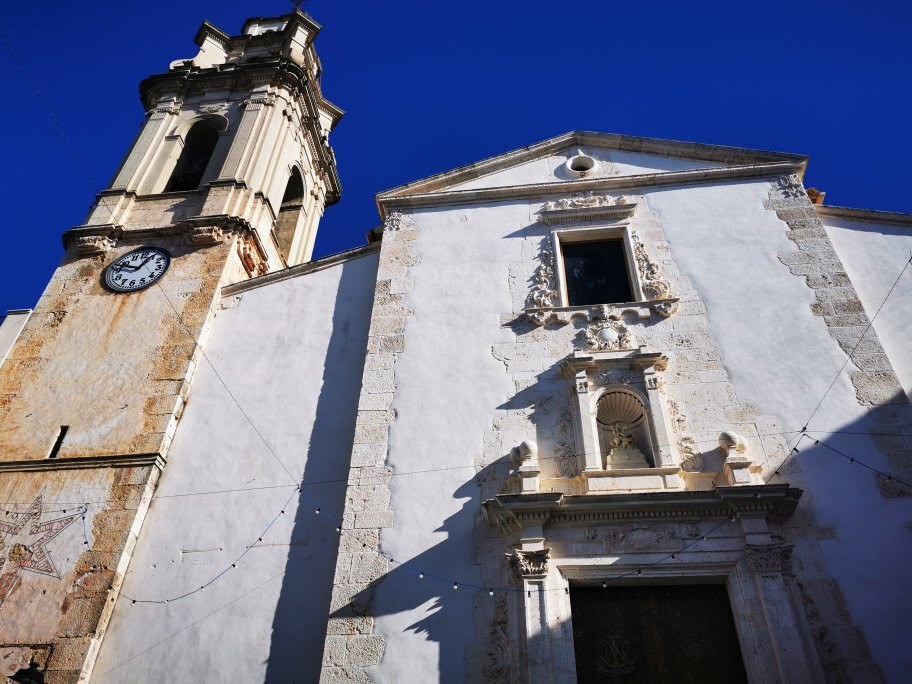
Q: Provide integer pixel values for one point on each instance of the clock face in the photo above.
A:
(137, 269)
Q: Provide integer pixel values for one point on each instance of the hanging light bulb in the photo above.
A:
(420, 575)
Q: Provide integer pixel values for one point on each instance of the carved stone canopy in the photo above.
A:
(586, 206)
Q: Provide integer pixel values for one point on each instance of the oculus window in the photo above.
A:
(596, 272)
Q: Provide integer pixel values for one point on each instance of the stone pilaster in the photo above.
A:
(350, 644)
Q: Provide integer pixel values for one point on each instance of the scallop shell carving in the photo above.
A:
(620, 407)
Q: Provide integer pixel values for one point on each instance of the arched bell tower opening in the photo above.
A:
(199, 144)
(290, 213)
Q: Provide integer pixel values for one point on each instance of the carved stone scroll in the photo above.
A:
(654, 286)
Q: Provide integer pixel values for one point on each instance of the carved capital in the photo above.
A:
(93, 245)
(213, 108)
(528, 564)
(775, 558)
(198, 236)
(260, 101)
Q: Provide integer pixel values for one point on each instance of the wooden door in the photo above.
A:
(681, 634)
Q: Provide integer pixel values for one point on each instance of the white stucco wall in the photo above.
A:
(873, 255)
(779, 356)
(292, 353)
(611, 163)
(782, 359)
(448, 384)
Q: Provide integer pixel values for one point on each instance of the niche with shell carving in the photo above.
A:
(622, 420)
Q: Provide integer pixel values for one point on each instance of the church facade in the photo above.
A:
(603, 408)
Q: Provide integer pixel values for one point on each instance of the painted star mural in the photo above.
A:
(24, 545)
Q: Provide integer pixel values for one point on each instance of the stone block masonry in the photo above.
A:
(350, 643)
(838, 305)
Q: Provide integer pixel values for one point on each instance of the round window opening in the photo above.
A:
(581, 164)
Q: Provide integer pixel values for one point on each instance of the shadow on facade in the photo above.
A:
(299, 625)
(449, 613)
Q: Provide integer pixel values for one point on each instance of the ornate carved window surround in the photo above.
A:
(597, 217)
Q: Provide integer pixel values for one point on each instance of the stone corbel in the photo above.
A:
(200, 236)
(93, 245)
(738, 468)
(529, 564)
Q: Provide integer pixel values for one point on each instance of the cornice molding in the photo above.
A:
(512, 511)
(83, 463)
(866, 215)
(388, 203)
(736, 156)
(188, 226)
(301, 269)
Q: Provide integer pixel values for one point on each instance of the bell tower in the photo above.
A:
(227, 180)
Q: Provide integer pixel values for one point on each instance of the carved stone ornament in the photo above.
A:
(774, 558)
(608, 333)
(619, 376)
(497, 668)
(693, 459)
(789, 187)
(267, 100)
(213, 108)
(585, 200)
(544, 289)
(254, 262)
(396, 220)
(199, 236)
(166, 108)
(654, 286)
(93, 245)
(528, 564)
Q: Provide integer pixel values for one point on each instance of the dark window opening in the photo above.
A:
(596, 273)
(198, 147)
(289, 212)
(58, 442)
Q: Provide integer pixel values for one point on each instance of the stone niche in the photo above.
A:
(620, 421)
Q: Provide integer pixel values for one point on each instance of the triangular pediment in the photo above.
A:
(614, 156)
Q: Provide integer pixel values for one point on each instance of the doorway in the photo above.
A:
(679, 633)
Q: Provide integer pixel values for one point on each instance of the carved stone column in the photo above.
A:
(664, 457)
(591, 457)
(531, 568)
(770, 565)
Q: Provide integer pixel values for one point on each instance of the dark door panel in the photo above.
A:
(676, 634)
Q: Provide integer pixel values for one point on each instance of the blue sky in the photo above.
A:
(428, 86)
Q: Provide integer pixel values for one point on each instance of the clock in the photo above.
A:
(137, 269)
